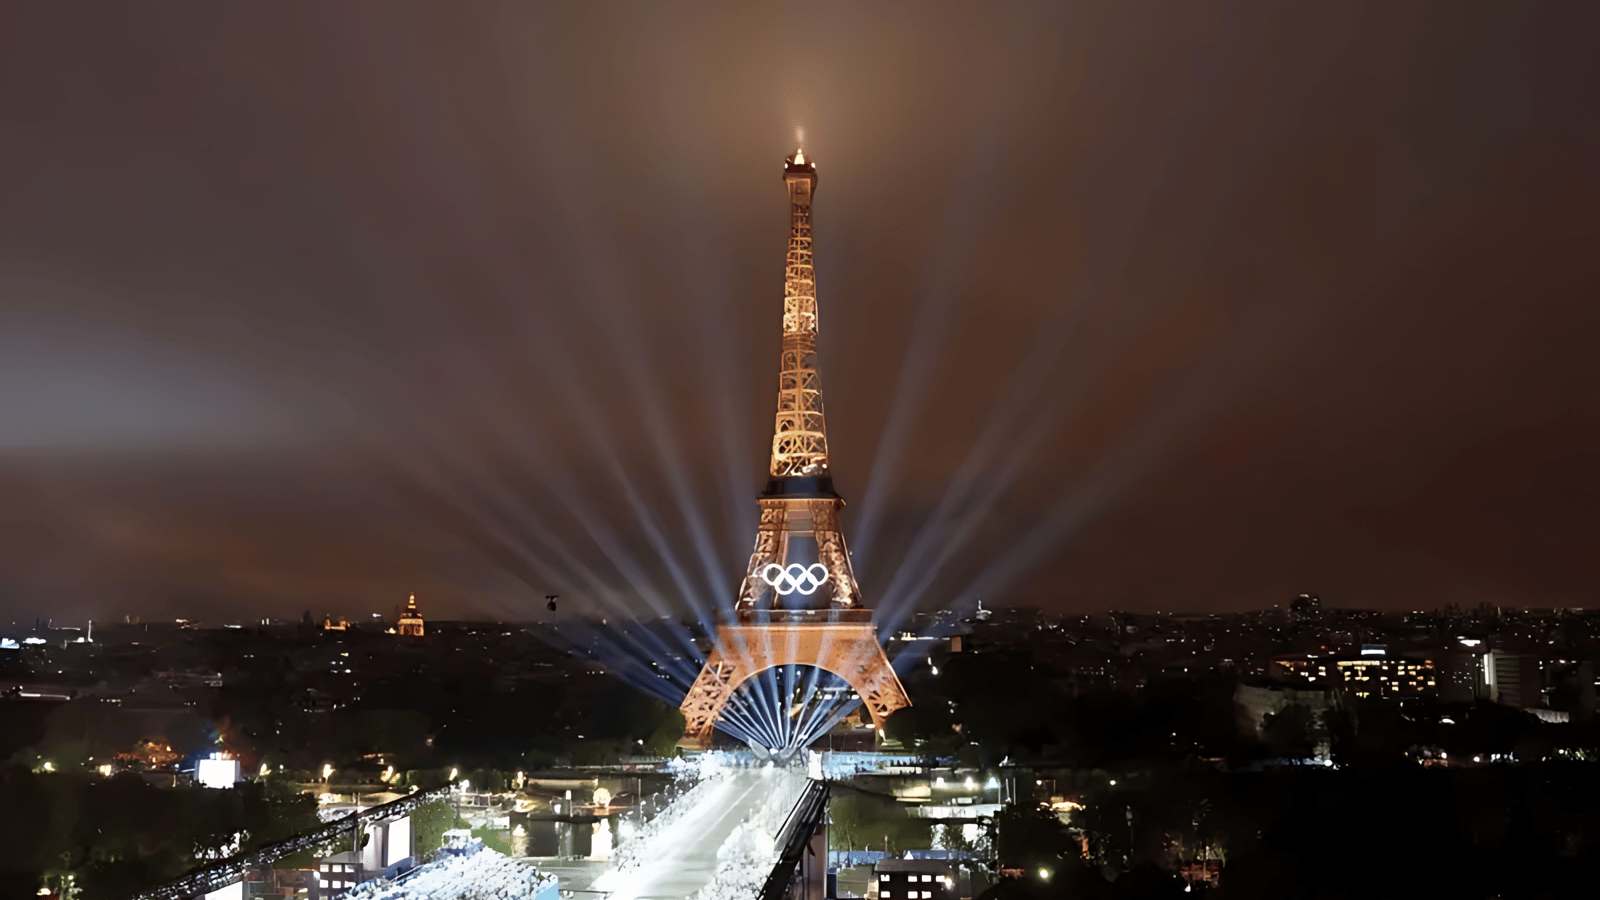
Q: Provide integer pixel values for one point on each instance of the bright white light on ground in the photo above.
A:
(233, 891)
(398, 846)
(217, 773)
(485, 875)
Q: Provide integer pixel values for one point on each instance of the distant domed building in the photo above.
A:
(410, 624)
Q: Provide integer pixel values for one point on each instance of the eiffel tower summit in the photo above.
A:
(799, 603)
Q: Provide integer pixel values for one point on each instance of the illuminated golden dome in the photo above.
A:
(410, 624)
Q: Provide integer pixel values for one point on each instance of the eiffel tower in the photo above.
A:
(799, 603)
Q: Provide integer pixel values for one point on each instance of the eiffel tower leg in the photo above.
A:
(874, 679)
(768, 551)
(831, 552)
(705, 700)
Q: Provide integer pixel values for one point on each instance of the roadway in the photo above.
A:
(682, 859)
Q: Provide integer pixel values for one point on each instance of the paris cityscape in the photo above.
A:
(394, 502)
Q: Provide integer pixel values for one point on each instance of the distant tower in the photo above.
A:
(798, 603)
(410, 624)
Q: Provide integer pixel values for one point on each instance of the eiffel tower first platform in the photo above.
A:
(799, 603)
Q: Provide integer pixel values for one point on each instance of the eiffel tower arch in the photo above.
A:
(799, 603)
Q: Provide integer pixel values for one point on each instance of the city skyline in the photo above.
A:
(1131, 314)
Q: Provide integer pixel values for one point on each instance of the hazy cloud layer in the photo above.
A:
(311, 306)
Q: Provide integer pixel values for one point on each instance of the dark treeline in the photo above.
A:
(989, 707)
(63, 816)
(1397, 831)
(115, 836)
(1405, 801)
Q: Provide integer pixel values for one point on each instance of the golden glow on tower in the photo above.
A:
(799, 440)
(799, 603)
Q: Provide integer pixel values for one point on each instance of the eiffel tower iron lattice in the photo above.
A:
(799, 603)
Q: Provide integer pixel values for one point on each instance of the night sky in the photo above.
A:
(1132, 306)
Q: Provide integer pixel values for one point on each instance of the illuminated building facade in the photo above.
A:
(1374, 674)
(915, 879)
(410, 624)
(1512, 679)
(798, 603)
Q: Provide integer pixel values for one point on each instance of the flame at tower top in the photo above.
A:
(799, 438)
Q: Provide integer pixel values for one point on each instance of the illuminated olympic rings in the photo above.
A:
(805, 579)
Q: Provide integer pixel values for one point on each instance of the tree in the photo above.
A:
(869, 822)
(1032, 838)
(1291, 733)
(664, 740)
(429, 822)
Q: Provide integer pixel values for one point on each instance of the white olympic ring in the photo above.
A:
(795, 578)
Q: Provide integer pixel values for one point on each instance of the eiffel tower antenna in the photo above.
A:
(799, 603)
